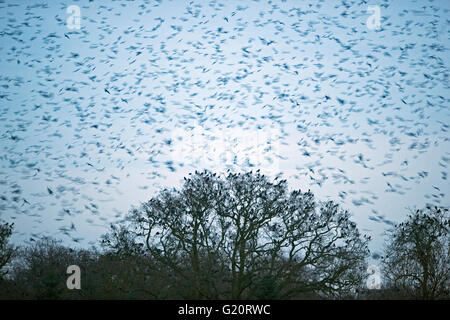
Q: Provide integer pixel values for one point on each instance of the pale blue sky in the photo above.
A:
(358, 116)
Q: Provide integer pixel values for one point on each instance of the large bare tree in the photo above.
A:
(244, 236)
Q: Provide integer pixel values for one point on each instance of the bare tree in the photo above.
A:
(243, 236)
(417, 259)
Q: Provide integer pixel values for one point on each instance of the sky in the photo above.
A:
(98, 114)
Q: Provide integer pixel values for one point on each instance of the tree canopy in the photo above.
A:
(417, 256)
(244, 236)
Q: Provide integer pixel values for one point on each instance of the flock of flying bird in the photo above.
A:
(83, 112)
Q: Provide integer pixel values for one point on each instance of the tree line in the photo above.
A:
(238, 236)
